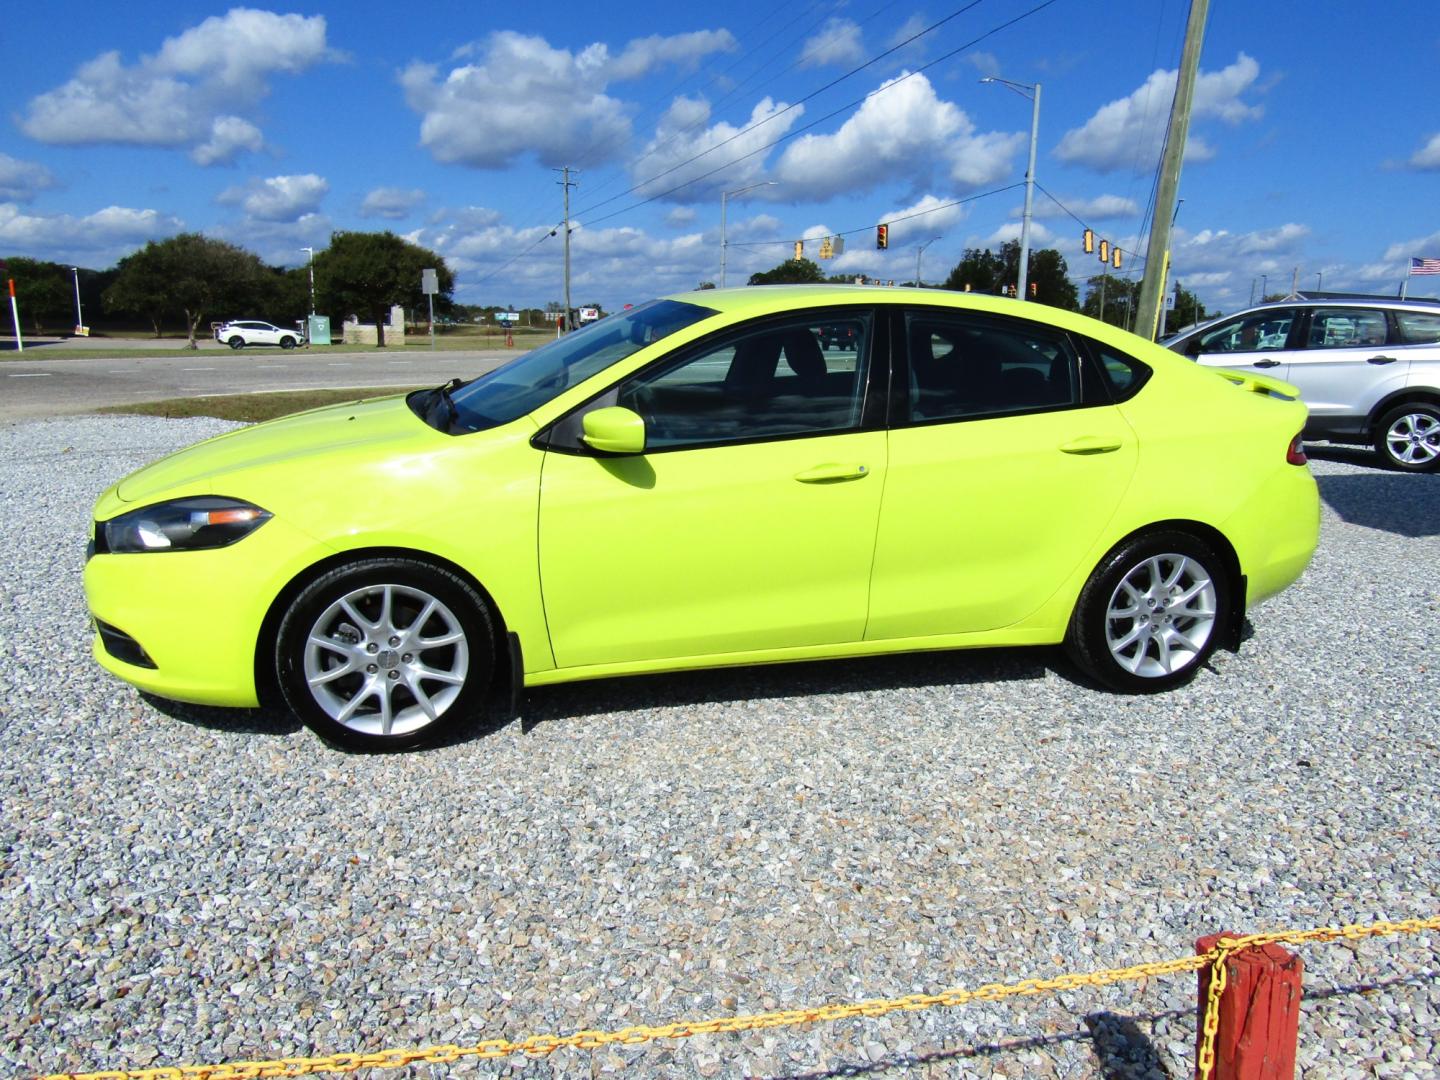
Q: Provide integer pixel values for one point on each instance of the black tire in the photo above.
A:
(369, 643)
(1408, 437)
(287, 342)
(1151, 660)
(236, 342)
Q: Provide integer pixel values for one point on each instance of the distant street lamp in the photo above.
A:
(79, 315)
(723, 196)
(311, 252)
(921, 251)
(1032, 92)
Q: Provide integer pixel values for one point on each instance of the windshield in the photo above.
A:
(528, 381)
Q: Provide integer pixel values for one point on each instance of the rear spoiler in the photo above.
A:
(1256, 383)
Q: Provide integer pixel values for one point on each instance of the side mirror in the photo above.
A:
(614, 430)
(1192, 347)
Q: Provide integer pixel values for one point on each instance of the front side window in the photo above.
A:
(962, 368)
(797, 377)
(528, 381)
(1418, 327)
(1255, 332)
(1346, 328)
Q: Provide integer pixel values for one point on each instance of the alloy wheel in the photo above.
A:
(1161, 615)
(1413, 439)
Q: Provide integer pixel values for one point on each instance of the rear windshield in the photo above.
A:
(528, 381)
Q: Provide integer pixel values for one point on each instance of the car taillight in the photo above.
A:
(1296, 454)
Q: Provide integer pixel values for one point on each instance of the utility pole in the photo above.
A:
(921, 251)
(1031, 91)
(1157, 253)
(567, 184)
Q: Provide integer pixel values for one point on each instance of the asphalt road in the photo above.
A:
(56, 385)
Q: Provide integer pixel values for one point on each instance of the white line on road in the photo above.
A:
(337, 365)
(398, 363)
(31, 375)
(197, 369)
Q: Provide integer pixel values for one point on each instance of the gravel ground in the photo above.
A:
(184, 885)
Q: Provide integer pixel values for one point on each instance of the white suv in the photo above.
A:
(252, 332)
(1368, 369)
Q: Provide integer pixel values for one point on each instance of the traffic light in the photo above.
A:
(799, 249)
(1034, 289)
(1115, 257)
(1104, 251)
(882, 236)
(1087, 239)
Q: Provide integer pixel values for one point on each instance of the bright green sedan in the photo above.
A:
(713, 479)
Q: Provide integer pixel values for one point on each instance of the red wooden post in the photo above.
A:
(1259, 1012)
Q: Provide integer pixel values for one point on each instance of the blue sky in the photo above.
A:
(1315, 141)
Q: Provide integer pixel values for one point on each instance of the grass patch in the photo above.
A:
(250, 408)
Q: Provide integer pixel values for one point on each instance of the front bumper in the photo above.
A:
(196, 615)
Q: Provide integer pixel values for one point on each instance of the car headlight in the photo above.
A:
(193, 524)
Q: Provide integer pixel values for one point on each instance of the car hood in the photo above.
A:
(331, 430)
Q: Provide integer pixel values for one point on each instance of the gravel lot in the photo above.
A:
(184, 885)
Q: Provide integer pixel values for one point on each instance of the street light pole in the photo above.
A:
(723, 243)
(1031, 91)
(79, 315)
(311, 252)
(921, 251)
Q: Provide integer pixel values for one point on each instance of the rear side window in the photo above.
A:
(1123, 375)
(1418, 327)
(1346, 328)
(1255, 332)
(962, 367)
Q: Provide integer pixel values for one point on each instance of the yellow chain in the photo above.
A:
(544, 1045)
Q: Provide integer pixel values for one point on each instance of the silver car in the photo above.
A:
(1368, 369)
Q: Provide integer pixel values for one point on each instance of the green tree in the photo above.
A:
(1120, 296)
(192, 275)
(790, 272)
(368, 272)
(990, 272)
(44, 291)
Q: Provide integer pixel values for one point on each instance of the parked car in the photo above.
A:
(244, 332)
(691, 483)
(837, 336)
(1368, 369)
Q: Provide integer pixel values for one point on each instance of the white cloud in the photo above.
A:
(278, 242)
(1132, 129)
(99, 238)
(20, 180)
(924, 219)
(524, 96)
(229, 135)
(1040, 236)
(901, 131)
(1100, 208)
(186, 94)
(1401, 253)
(391, 203)
(682, 134)
(680, 216)
(278, 199)
(837, 42)
(1428, 156)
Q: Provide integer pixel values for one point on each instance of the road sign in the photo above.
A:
(429, 282)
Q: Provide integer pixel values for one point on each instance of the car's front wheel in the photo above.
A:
(287, 342)
(1408, 437)
(1151, 613)
(236, 342)
(385, 654)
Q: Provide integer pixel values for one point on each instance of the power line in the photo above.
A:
(1134, 255)
(792, 106)
(819, 120)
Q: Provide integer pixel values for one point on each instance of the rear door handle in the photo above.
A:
(1381, 360)
(1266, 363)
(831, 474)
(1091, 444)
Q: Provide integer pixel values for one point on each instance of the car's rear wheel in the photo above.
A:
(287, 342)
(1151, 613)
(1408, 437)
(236, 342)
(385, 654)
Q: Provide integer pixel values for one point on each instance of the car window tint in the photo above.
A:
(767, 383)
(1250, 333)
(1346, 328)
(1123, 374)
(1418, 328)
(961, 368)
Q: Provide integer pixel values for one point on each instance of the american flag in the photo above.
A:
(1425, 266)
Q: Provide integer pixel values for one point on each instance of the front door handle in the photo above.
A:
(830, 474)
(1091, 444)
(1266, 363)
(1381, 360)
